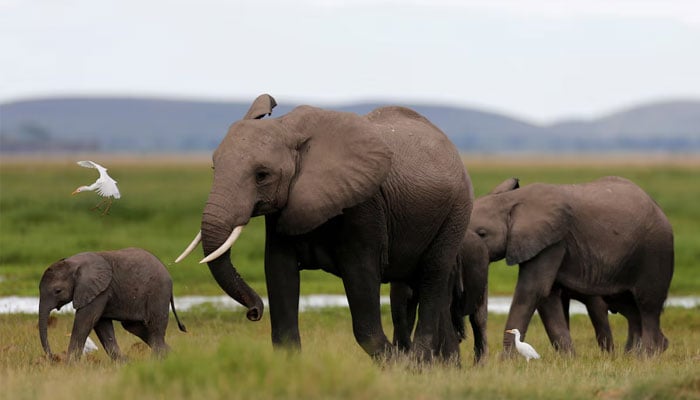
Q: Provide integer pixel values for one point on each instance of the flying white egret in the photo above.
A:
(105, 186)
(523, 348)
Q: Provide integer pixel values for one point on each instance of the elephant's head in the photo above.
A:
(517, 224)
(78, 279)
(304, 167)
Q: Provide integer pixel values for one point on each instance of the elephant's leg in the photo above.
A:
(403, 314)
(363, 299)
(435, 333)
(653, 340)
(85, 320)
(358, 257)
(105, 333)
(137, 329)
(282, 279)
(598, 313)
(566, 307)
(634, 332)
(624, 305)
(555, 322)
(535, 279)
(448, 345)
(154, 338)
(478, 324)
(650, 293)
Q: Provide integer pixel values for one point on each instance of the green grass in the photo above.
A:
(226, 356)
(162, 202)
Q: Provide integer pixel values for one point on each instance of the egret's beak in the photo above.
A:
(76, 191)
(509, 331)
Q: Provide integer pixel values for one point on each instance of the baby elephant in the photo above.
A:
(469, 297)
(129, 285)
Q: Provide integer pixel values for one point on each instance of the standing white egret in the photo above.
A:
(105, 186)
(523, 348)
(90, 346)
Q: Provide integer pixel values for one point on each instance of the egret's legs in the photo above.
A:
(98, 205)
(107, 202)
(108, 207)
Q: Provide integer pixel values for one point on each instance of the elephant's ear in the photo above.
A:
(506, 186)
(93, 276)
(261, 107)
(342, 162)
(534, 226)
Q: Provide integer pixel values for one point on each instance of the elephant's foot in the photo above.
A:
(564, 347)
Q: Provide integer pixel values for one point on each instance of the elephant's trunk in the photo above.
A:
(214, 234)
(44, 311)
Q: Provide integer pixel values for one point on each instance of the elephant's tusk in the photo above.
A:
(227, 245)
(188, 250)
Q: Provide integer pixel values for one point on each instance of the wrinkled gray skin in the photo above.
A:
(469, 296)
(558, 329)
(604, 238)
(129, 285)
(370, 198)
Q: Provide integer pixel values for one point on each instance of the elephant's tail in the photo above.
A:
(180, 325)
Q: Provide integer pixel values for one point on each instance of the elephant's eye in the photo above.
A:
(57, 291)
(260, 176)
(481, 232)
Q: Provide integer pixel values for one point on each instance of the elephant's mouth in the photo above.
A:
(262, 208)
(61, 304)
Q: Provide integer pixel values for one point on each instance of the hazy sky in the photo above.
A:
(539, 60)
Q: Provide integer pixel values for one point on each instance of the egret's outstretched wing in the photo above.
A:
(108, 188)
(90, 164)
(105, 186)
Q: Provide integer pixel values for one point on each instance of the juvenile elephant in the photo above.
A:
(469, 297)
(129, 285)
(604, 238)
(370, 198)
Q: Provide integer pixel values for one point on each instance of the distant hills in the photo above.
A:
(159, 125)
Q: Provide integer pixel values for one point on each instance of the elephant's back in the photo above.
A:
(427, 185)
(417, 144)
(617, 215)
(616, 195)
(139, 264)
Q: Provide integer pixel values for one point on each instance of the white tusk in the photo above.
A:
(191, 247)
(227, 245)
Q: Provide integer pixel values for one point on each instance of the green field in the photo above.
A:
(162, 201)
(226, 356)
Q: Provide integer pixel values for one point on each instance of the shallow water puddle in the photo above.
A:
(497, 304)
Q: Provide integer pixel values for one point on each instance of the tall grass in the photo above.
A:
(226, 356)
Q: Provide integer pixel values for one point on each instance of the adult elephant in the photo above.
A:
(376, 198)
(604, 238)
(469, 298)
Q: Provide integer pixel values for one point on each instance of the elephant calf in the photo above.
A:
(604, 238)
(469, 297)
(129, 285)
